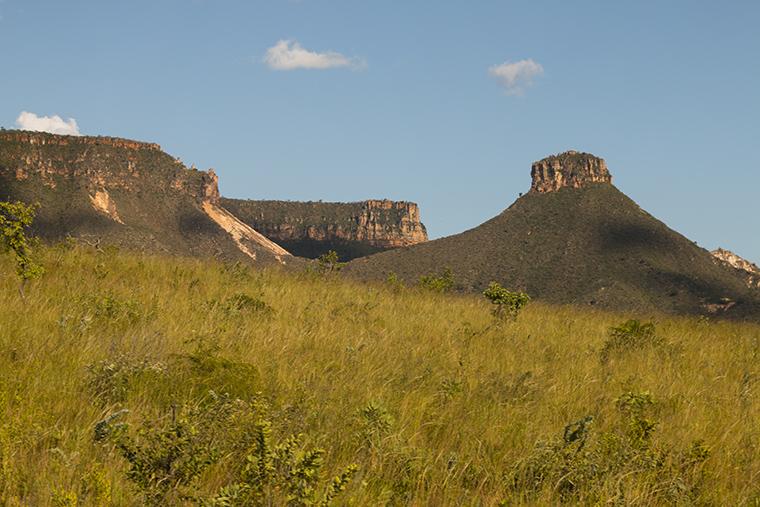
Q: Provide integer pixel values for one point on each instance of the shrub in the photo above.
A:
(15, 218)
(506, 304)
(438, 283)
(281, 474)
(580, 466)
(630, 335)
(329, 263)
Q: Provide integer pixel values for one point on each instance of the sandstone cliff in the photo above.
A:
(748, 269)
(352, 229)
(124, 192)
(568, 169)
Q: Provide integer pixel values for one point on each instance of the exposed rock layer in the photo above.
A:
(747, 268)
(568, 169)
(125, 192)
(352, 229)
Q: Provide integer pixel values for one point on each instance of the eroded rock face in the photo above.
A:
(101, 164)
(354, 229)
(569, 169)
(751, 270)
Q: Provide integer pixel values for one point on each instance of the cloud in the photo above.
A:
(53, 124)
(290, 55)
(516, 76)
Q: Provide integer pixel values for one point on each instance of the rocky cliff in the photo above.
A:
(748, 269)
(352, 229)
(124, 192)
(568, 169)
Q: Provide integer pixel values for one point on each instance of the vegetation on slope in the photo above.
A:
(587, 246)
(127, 380)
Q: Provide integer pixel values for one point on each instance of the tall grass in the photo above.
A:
(434, 400)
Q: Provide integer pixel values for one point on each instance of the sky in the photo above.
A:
(445, 103)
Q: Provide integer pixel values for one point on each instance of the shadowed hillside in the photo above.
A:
(581, 242)
(125, 193)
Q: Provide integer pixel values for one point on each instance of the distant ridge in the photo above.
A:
(352, 229)
(575, 238)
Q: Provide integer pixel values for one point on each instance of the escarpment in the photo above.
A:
(569, 169)
(353, 230)
(127, 193)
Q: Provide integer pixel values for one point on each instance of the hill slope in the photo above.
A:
(582, 242)
(125, 193)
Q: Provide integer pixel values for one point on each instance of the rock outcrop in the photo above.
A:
(568, 169)
(352, 229)
(124, 192)
(749, 269)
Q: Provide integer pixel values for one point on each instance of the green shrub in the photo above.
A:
(281, 474)
(506, 304)
(438, 283)
(630, 335)
(15, 218)
(329, 262)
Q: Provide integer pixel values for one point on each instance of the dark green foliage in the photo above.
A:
(582, 465)
(15, 219)
(281, 474)
(586, 246)
(506, 304)
(329, 263)
(628, 336)
(167, 455)
(444, 282)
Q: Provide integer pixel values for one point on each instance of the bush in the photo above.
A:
(630, 335)
(438, 283)
(506, 304)
(328, 263)
(15, 218)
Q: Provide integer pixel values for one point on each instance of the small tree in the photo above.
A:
(506, 304)
(14, 219)
(329, 263)
(438, 283)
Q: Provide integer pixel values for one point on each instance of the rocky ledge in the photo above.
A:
(749, 269)
(569, 169)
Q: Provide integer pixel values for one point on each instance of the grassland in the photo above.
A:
(434, 401)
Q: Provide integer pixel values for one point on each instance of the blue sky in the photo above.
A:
(398, 101)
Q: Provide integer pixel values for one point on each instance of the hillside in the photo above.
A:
(132, 380)
(575, 238)
(355, 229)
(124, 193)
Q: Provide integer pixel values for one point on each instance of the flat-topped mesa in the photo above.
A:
(569, 169)
(353, 229)
(43, 139)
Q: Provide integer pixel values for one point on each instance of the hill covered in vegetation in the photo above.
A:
(131, 380)
(577, 239)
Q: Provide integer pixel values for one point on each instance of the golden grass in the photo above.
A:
(467, 400)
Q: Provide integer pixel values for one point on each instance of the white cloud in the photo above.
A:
(516, 76)
(290, 55)
(53, 124)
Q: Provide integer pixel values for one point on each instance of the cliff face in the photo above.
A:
(124, 192)
(748, 269)
(352, 229)
(568, 169)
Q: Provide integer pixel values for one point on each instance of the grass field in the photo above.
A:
(130, 380)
